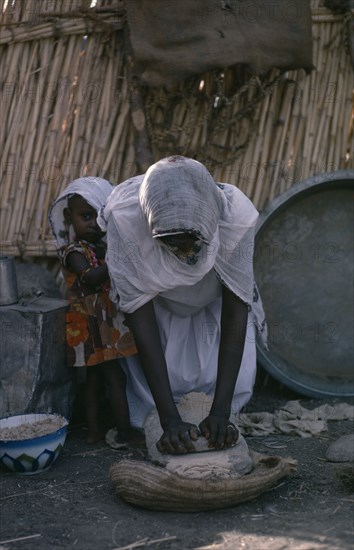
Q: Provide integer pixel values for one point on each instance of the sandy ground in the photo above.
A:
(73, 504)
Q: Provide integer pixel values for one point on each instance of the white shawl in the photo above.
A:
(176, 195)
(94, 190)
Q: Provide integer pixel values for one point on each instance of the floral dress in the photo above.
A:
(95, 330)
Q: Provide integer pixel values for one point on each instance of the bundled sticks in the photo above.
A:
(66, 113)
(298, 127)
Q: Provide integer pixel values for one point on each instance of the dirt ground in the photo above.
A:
(73, 505)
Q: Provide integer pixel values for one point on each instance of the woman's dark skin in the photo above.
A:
(178, 436)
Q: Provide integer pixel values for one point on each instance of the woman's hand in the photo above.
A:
(178, 437)
(219, 431)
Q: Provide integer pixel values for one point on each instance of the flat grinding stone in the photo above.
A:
(205, 463)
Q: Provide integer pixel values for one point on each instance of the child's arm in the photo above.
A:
(216, 427)
(88, 275)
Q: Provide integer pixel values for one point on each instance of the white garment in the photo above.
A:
(141, 266)
(189, 325)
(179, 195)
(94, 190)
(172, 198)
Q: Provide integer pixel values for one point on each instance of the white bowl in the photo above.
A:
(31, 455)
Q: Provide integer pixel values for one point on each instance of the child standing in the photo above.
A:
(96, 335)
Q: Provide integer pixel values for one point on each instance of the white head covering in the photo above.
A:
(179, 195)
(94, 190)
(176, 195)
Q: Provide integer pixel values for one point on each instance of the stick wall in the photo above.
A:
(66, 113)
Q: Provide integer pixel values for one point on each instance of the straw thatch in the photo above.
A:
(68, 96)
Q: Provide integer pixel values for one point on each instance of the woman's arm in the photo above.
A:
(178, 435)
(217, 427)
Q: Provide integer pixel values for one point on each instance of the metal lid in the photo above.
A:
(304, 265)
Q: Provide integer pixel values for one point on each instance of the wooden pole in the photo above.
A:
(143, 153)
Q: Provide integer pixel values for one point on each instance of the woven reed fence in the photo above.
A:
(66, 113)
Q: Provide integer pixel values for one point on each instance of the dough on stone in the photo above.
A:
(205, 463)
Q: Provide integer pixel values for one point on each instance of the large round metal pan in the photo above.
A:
(304, 269)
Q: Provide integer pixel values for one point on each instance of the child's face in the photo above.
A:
(82, 217)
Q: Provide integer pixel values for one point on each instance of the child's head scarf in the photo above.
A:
(94, 190)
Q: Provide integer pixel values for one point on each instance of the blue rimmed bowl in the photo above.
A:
(32, 454)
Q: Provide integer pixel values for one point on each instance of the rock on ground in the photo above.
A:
(341, 450)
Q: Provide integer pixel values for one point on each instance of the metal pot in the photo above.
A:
(8, 281)
(304, 270)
